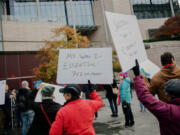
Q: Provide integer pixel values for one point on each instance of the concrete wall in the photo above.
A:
(158, 48)
(27, 36)
(99, 37)
(122, 6)
(146, 24)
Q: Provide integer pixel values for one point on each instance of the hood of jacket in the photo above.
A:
(127, 79)
(169, 73)
(175, 101)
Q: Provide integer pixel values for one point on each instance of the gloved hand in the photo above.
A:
(90, 86)
(136, 68)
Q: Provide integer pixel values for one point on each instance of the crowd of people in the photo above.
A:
(76, 115)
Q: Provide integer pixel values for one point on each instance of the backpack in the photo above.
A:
(23, 102)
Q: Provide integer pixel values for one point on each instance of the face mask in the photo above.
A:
(121, 77)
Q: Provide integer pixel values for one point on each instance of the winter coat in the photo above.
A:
(76, 117)
(125, 90)
(109, 91)
(23, 100)
(166, 113)
(159, 79)
(40, 125)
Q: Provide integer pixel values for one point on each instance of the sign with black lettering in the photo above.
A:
(127, 39)
(77, 66)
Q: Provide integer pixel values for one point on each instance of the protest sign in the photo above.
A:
(37, 83)
(2, 92)
(127, 39)
(58, 97)
(77, 66)
(149, 67)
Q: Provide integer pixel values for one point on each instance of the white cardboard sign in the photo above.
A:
(150, 67)
(58, 97)
(77, 66)
(2, 92)
(127, 39)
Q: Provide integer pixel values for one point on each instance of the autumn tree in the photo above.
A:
(170, 29)
(65, 38)
(116, 64)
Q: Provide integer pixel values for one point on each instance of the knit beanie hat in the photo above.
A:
(124, 74)
(47, 91)
(173, 87)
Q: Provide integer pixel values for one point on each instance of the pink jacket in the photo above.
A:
(76, 117)
(168, 114)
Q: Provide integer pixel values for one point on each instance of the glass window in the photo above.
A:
(151, 8)
(53, 10)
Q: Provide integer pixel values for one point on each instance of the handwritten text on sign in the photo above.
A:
(2, 92)
(80, 65)
(127, 39)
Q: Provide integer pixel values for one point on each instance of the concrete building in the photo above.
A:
(26, 24)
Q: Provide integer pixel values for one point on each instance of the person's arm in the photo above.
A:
(96, 100)
(158, 108)
(57, 125)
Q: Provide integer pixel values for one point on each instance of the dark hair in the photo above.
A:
(166, 58)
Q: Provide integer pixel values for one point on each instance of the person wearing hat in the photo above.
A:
(45, 112)
(76, 116)
(125, 97)
(166, 113)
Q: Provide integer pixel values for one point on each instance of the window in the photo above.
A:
(151, 8)
(53, 10)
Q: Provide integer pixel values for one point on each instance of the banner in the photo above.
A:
(2, 92)
(149, 67)
(77, 66)
(58, 97)
(127, 39)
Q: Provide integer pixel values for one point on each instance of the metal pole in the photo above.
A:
(105, 24)
(1, 27)
(172, 7)
(73, 19)
(38, 10)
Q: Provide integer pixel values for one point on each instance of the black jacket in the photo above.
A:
(23, 100)
(109, 91)
(40, 125)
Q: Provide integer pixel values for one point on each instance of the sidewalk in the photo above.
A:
(145, 122)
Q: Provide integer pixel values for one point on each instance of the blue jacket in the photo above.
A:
(125, 90)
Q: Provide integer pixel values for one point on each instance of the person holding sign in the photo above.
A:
(76, 116)
(167, 72)
(125, 96)
(166, 113)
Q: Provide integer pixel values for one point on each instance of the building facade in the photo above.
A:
(26, 24)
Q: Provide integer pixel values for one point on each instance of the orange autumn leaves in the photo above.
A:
(170, 29)
(65, 38)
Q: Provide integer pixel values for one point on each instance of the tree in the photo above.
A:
(170, 29)
(65, 38)
(116, 64)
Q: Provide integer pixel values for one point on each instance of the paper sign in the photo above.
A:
(37, 83)
(127, 39)
(77, 66)
(58, 97)
(149, 67)
(2, 92)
